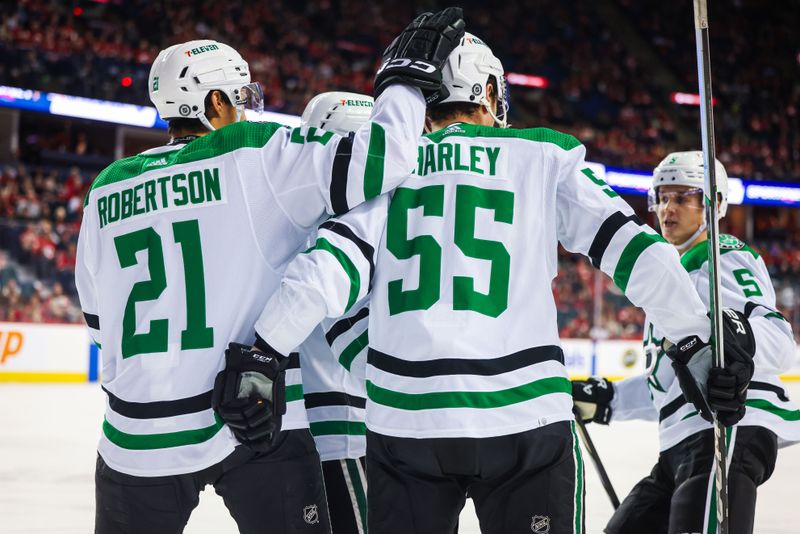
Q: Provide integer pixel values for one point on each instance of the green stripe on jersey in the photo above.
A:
(695, 257)
(294, 392)
(143, 442)
(630, 254)
(468, 399)
(761, 404)
(376, 155)
(347, 265)
(338, 428)
(578, 498)
(232, 137)
(351, 351)
(541, 135)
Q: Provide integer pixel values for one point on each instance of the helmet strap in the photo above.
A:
(488, 106)
(202, 118)
(683, 246)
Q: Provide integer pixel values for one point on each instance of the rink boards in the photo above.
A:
(65, 353)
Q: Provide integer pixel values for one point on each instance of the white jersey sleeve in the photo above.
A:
(594, 221)
(85, 267)
(328, 279)
(310, 169)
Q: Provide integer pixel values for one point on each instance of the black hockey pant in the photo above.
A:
(677, 497)
(531, 482)
(346, 487)
(274, 493)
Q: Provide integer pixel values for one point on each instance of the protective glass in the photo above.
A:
(677, 198)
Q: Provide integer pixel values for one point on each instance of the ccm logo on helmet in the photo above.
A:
(400, 62)
(201, 49)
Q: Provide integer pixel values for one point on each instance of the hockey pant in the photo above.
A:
(346, 488)
(280, 491)
(519, 483)
(676, 498)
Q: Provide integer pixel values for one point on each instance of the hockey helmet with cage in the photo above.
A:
(338, 111)
(466, 73)
(183, 74)
(686, 168)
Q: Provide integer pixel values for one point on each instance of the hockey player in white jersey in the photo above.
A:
(467, 392)
(335, 398)
(676, 496)
(179, 249)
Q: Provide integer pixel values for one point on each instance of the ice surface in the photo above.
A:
(48, 435)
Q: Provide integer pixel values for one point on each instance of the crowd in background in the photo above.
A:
(598, 91)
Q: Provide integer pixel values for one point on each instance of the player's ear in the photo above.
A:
(216, 104)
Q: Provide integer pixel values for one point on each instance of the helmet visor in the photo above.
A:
(690, 199)
(503, 103)
(250, 96)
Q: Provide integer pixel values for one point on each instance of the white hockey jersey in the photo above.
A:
(746, 288)
(180, 248)
(463, 340)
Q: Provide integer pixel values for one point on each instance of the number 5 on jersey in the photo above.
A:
(431, 200)
(196, 335)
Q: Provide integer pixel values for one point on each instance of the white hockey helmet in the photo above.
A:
(686, 168)
(466, 72)
(183, 74)
(338, 111)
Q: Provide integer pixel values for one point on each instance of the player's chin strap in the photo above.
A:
(683, 246)
(500, 123)
(240, 114)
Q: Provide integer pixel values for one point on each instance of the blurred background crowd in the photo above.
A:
(611, 67)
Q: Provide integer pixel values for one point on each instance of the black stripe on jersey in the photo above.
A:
(294, 361)
(341, 166)
(764, 386)
(606, 232)
(92, 321)
(156, 409)
(461, 366)
(750, 306)
(671, 407)
(345, 231)
(343, 325)
(333, 398)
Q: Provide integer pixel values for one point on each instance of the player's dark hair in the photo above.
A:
(187, 126)
(451, 110)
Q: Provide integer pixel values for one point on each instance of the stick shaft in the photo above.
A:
(711, 205)
(598, 464)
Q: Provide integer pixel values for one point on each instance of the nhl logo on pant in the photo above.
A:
(540, 524)
(311, 514)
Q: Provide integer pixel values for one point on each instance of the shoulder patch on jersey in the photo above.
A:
(232, 137)
(540, 135)
(729, 242)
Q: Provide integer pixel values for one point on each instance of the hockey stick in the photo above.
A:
(711, 201)
(598, 464)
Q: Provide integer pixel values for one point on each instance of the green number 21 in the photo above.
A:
(431, 200)
(197, 334)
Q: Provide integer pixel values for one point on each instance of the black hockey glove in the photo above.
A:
(720, 389)
(250, 394)
(592, 399)
(727, 386)
(416, 56)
